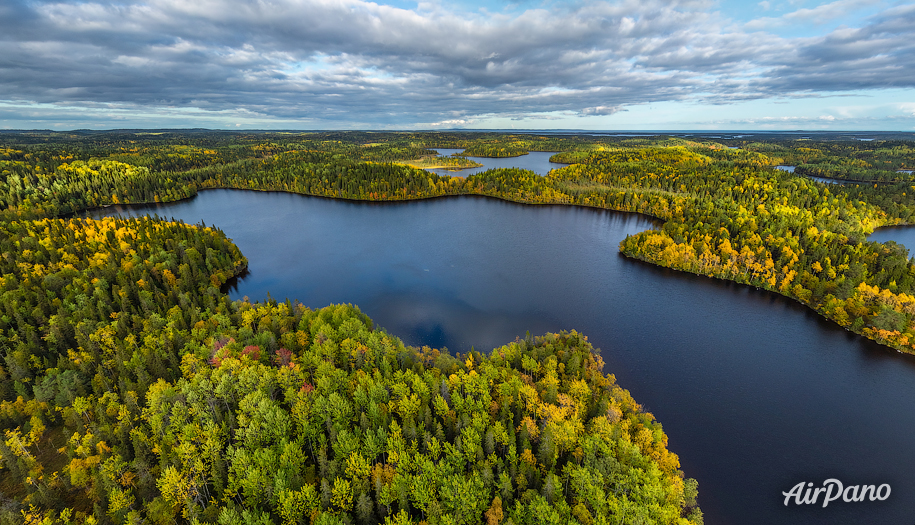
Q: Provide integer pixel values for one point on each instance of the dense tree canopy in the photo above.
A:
(133, 391)
(728, 213)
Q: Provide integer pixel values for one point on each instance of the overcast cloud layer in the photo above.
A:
(351, 63)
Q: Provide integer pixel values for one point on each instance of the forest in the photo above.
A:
(132, 390)
(727, 212)
(886, 161)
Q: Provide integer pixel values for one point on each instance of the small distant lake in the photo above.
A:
(536, 161)
(824, 180)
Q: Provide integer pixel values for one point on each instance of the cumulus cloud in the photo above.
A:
(351, 63)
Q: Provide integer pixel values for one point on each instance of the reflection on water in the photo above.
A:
(756, 392)
(824, 180)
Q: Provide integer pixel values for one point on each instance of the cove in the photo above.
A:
(904, 235)
(756, 392)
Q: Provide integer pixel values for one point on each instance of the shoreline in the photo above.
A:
(652, 218)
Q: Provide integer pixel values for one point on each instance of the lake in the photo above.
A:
(824, 180)
(756, 392)
(904, 235)
(536, 161)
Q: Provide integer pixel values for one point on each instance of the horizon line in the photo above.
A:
(468, 130)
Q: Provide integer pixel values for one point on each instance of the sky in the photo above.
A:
(526, 64)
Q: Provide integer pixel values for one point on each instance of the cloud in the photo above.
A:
(354, 63)
(601, 110)
(810, 122)
(820, 14)
(880, 54)
(826, 12)
(452, 123)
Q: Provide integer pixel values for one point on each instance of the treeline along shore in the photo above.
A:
(727, 213)
(134, 390)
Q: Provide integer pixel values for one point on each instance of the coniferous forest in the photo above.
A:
(132, 390)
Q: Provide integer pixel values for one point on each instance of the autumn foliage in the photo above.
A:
(132, 390)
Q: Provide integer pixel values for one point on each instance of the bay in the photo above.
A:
(756, 392)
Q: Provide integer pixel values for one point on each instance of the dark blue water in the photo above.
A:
(756, 392)
(536, 161)
(824, 180)
(904, 235)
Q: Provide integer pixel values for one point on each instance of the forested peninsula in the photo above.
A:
(133, 390)
(727, 212)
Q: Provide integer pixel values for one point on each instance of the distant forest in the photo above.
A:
(134, 391)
